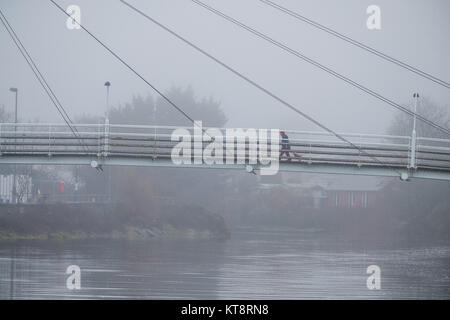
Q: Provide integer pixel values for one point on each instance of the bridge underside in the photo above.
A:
(325, 168)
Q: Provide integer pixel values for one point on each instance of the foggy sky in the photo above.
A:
(414, 31)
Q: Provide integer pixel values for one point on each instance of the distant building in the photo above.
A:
(318, 191)
(354, 192)
(6, 187)
(23, 188)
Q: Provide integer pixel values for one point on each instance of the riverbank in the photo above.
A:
(359, 223)
(108, 221)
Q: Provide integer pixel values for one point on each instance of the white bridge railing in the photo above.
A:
(154, 142)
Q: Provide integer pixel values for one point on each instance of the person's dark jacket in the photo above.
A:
(285, 142)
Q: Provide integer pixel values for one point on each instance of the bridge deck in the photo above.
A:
(153, 146)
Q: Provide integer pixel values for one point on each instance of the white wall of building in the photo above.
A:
(23, 186)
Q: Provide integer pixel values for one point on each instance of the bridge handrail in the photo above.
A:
(131, 126)
(83, 134)
(54, 126)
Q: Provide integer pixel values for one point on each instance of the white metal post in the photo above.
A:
(49, 140)
(106, 151)
(412, 160)
(106, 146)
(154, 135)
(99, 139)
(16, 91)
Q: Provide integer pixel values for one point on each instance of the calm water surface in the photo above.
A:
(253, 264)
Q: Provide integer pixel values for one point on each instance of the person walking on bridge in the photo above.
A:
(286, 147)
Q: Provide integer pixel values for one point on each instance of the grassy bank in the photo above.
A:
(101, 221)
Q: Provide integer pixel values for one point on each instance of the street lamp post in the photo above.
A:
(14, 191)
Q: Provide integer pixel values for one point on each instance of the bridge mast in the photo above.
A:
(412, 160)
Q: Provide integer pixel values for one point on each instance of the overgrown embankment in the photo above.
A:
(91, 220)
(362, 222)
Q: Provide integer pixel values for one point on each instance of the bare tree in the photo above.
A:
(4, 115)
(23, 188)
(402, 123)
(423, 205)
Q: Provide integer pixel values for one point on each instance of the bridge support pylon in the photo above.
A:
(412, 158)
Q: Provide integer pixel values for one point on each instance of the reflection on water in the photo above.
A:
(253, 264)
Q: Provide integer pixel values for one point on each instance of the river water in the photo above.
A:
(253, 264)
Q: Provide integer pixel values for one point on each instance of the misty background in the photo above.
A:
(76, 67)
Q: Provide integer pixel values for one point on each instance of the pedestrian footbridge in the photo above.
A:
(107, 144)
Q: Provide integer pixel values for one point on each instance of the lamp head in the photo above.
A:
(107, 83)
(13, 89)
